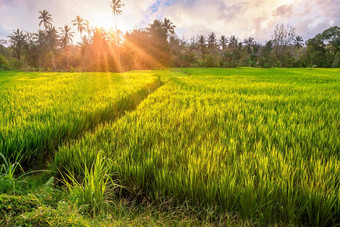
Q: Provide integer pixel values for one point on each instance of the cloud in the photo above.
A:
(283, 10)
(3, 32)
(242, 18)
(23, 14)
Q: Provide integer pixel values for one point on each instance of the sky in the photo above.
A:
(243, 18)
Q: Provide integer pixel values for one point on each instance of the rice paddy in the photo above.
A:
(262, 144)
(40, 111)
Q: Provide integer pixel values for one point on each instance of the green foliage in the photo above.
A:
(336, 63)
(262, 143)
(92, 192)
(157, 46)
(64, 215)
(13, 206)
(7, 173)
(42, 111)
(4, 65)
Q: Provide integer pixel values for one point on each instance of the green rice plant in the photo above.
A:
(40, 111)
(259, 143)
(93, 190)
(8, 173)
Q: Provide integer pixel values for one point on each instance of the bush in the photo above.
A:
(336, 62)
(4, 65)
(12, 206)
(64, 215)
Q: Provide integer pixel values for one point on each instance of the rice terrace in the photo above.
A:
(139, 127)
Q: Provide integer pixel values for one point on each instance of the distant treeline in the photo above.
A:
(158, 46)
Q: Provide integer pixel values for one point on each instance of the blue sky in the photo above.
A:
(242, 18)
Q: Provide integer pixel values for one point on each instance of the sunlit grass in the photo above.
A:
(40, 111)
(261, 143)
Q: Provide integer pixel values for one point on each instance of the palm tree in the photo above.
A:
(66, 38)
(233, 42)
(212, 40)
(52, 37)
(169, 26)
(87, 28)
(40, 37)
(66, 35)
(223, 42)
(249, 44)
(41, 43)
(79, 22)
(201, 43)
(116, 6)
(46, 19)
(298, 42)
(18, 42)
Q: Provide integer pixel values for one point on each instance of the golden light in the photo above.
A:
(106, 21)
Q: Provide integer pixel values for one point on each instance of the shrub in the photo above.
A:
(64, 215)
(12, 206)
(4, 65)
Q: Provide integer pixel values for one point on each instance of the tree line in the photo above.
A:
(158, 46)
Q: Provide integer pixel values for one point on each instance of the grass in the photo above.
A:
(43, 110)
(263, 144)
(223, 145)
(92, 192)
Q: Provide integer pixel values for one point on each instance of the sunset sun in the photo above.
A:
(103, 20)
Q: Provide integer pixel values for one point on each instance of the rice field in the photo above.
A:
(40, 111)
(262, 144)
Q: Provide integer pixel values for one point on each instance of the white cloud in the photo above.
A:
(23, 14)
(242, 18)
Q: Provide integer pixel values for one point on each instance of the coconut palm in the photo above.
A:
(18, 42)
(52, 37)
(46, 19)
(79, 22)
(169, 26)
(212, 40)
(233, 42)
(87, 28)
(298, 42)
(249, 44)
(201, 44)
(66, 38)
(40, 38)
(223, 42)
(66, 35)
(116, 6)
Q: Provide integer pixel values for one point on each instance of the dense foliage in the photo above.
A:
(158, 46)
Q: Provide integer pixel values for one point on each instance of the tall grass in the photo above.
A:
(96, 186)
(8, 171)
(40, 111)
(261, 143)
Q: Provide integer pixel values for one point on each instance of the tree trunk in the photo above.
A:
(118, 50)
(67, 63)
(52, 57)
